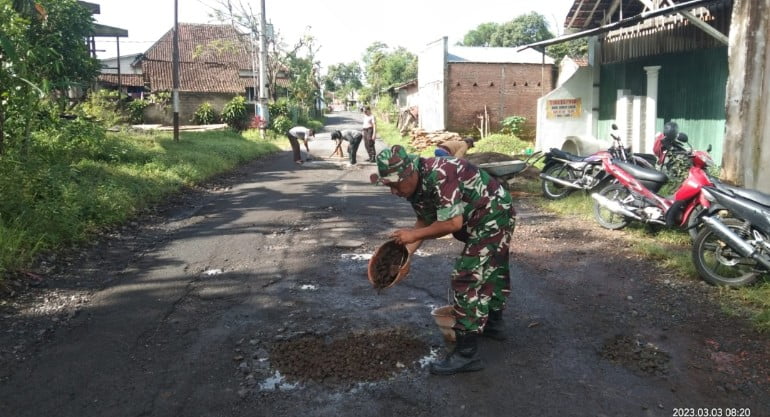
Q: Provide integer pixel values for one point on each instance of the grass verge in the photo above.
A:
(670, 248)
(61, 195)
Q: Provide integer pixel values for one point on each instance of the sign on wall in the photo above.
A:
(563, 108)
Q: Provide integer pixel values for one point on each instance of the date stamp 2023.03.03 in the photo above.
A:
(711, 412)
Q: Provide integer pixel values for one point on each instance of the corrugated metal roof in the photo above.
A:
(494, 55)
(588, 14)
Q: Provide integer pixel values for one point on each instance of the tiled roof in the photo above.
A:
(206, 77)
(126, 80)
(283, 82)
(210, 60)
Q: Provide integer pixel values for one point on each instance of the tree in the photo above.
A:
(343, 77)
(385, 68)
(481, 36)
(574, 48)
(522, 30)
(34, 37)
(281, 59)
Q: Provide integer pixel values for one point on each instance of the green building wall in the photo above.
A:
(691, 92)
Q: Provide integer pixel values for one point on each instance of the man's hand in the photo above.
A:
(421, 231)
(405, 236)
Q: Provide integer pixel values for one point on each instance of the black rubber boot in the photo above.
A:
(494, 327)
(464, 357)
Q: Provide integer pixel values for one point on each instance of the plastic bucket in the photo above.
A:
(445, 320)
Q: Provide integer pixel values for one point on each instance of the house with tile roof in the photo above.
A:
(123, 73)
(215, 65)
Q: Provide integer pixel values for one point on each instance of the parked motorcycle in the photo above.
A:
(673, 152)
(635, 195)
(564, 172)
(733, 249)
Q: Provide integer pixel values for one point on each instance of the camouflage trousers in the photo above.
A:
(481, 279)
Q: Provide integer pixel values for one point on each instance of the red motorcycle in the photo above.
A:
(634, 195)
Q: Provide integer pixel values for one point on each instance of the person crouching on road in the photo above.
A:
(451, 195)
(295, 134)
(337, 138)
(456, 148)
(353, 137)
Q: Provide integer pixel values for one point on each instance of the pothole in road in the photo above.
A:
(358, 357)
(636, 355)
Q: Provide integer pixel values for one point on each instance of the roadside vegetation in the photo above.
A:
(62, 194)
(70, 168)
(669, 248)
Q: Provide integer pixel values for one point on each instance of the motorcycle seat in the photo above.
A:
(558, 153)
(642, 173)
(746, 193)
(652, 159)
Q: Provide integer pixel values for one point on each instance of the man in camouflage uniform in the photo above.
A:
(450, 195)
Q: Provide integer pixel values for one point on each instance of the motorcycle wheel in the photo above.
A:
(720, 265)
(604, 216)
(553, 191)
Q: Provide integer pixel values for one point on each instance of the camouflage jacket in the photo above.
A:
(450, 186)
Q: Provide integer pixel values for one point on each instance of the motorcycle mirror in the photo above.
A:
(709, 149)
(682, 137)
(614, 126)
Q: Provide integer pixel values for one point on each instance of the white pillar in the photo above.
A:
(651, 109)
(637, 127)
(623, 115)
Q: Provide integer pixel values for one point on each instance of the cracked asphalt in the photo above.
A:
(177, 313)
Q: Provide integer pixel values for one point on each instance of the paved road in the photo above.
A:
(177, 314)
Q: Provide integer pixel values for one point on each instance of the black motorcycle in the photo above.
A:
(733, 248)
(564, 172)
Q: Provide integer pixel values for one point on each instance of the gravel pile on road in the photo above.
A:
(359, 357)
(639, 357)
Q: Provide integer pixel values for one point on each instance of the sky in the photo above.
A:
(342, 28)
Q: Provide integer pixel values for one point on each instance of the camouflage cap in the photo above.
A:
(393, 165)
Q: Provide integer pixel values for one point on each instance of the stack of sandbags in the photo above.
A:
(423, 140)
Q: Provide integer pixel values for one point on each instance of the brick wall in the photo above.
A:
(188, 104)
(506, 90)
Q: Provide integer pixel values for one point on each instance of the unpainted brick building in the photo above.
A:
(460, 84)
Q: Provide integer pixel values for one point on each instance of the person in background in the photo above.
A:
(451, 195)
(353, 137)
(369, 131)
(295, 134)
(337, 138)
(456, 148)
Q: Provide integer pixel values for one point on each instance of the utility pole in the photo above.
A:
(175, 70)
(263, 110)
